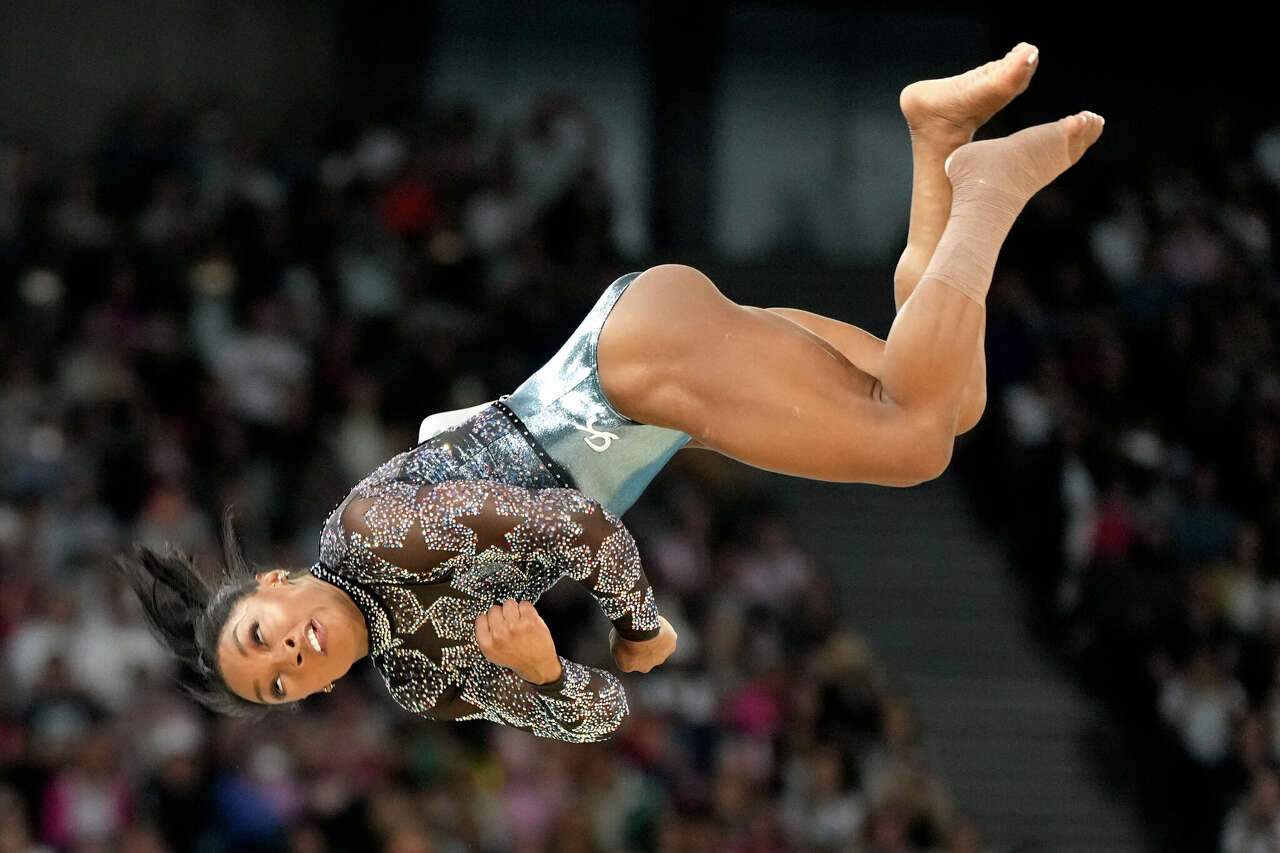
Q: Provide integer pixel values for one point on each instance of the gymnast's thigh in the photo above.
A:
(746, 382)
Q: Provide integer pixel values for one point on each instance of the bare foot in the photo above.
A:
(1016, 167)
(950, 109)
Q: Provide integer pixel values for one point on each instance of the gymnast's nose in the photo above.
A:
(293, 647)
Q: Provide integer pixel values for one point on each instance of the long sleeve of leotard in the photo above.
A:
(585, 704)
(607, 563)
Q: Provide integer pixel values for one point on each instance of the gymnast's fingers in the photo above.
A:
(497, 625)
(511, 613)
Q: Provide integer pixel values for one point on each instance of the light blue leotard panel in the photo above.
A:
(610, 457)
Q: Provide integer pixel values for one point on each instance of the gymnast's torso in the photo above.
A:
(496, 502)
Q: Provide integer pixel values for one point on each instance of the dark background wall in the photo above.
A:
(65, 66)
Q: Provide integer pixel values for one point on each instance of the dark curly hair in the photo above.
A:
(187, 614)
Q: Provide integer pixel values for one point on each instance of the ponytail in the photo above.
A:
(187, 614)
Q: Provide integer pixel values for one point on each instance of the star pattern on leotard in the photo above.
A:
(502, 541)
(390, 516)
(373, 567)
(438, 511)
(414, 678)
(453, 618)
(618, 597)
(407, 612)
(461, 657)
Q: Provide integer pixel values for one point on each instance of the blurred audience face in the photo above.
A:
(1264, 799)
(965, 838)
(15, 835)
(307, 838)
(828, 773)
(899, 723)
(408, 841)
(140, 839)
(267, 653)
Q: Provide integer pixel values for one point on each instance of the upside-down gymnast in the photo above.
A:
(431, 564)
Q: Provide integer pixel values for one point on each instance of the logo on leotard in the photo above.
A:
(605, 437)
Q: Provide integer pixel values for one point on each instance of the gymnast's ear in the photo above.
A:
(275, 577)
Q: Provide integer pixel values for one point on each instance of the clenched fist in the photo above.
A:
(643, 655)
(512, 634)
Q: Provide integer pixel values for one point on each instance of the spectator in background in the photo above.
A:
(15, 833)
(47, 634)
(91, 800)
(1202, 703)
(821, 809)
(1254, 825)
(965, 837)
(265, 371)
(1205, 526)
(1241, 591)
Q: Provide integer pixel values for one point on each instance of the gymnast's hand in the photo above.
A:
(643, 655)
(512, 634)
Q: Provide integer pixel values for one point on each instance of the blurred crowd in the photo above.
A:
(1132, 460)
(194, 317)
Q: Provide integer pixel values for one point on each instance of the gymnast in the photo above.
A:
(431, 565)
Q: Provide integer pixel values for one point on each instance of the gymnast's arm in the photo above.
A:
(511, 676)
(605, 560)
(523, 683)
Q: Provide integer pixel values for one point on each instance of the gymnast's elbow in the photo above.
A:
(602, 728)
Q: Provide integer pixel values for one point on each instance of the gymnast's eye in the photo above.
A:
(257, 634)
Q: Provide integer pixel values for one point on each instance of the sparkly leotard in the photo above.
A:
(482, 512)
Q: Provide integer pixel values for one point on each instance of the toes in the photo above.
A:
(1029, 52)
(1081, 120)
(1096, 123)
(1091, 121)
(1083, 129)
(1020, 65)
(1016, 62)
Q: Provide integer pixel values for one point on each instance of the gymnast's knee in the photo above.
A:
(905, 277)
(971, 409)
(928, 453)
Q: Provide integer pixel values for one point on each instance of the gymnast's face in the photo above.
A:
(289, 638)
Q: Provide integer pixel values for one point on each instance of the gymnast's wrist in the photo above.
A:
(544, 674)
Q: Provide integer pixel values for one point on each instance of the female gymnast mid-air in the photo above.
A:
(432, 563)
